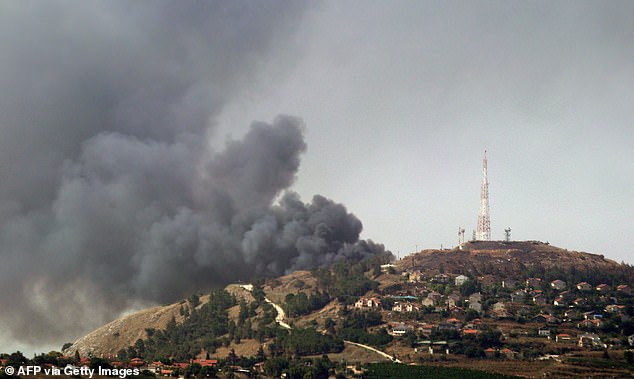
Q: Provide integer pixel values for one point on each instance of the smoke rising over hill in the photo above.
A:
(109, 193)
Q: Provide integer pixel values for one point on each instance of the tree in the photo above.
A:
(194, 299)
(17, 359)
(629, 356)
(208, 372)
(244, 313)
(66, 345)
(274, 367)
(122, 354)
(470, 287)
(139, 345)
(193, 370)
(261, 357)
(95, 363)
(329, 325)
(410, 338)
(231, 358)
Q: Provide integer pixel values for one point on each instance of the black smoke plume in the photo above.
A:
(110, 196)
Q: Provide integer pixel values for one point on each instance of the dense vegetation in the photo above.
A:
(354, 327)
(301, 304)
(346, 282)
(318, 368)
(395, 370)
(298, 342)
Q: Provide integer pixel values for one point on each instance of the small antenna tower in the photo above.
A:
(507, 234)
(460, 237)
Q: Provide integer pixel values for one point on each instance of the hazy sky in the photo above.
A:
(401, 99)
(127, 147)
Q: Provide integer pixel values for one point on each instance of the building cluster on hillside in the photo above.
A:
(579, 315)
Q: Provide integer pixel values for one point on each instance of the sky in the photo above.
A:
(175, 140)
(401, 99)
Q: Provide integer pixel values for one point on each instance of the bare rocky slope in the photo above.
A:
(107, 340)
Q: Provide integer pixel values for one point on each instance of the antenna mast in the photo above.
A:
(484, 221)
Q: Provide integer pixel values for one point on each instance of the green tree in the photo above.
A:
(194, 300)
(260, 357)
(208, 372)
(329, 325)
(192, 370)
(629, 356)
(244, 313)
(274, 367)
(17, 359)
(232, 357)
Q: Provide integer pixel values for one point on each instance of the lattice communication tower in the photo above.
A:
(483, 232)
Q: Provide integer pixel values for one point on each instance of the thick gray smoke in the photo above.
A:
(110, 196)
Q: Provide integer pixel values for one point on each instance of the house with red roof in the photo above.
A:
(584, 286)
(206, 362)
(507, 353)
(603, 288)
(558, 284)
(490, 352)
(137, 362)
(624, 288)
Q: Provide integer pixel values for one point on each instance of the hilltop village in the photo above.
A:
(557, 315)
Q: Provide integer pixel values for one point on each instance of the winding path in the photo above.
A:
(382, 353)
(281, 315)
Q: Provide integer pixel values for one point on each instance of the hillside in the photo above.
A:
(395, 308)
(121, 333)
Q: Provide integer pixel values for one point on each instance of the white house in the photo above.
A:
(401, 329)
(476, 306)
(405, 307)
(368, 303)
(460, 280)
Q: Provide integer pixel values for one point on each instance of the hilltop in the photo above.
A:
(506, 259)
